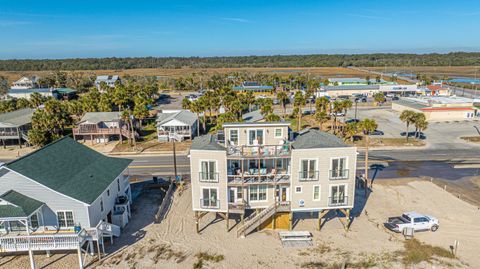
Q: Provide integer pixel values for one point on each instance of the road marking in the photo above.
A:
(158, 166)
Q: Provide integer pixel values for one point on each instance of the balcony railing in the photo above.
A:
(208, 176)
(260, 151)
(338, 201)
(100, 131)
(8, 133)
(339, 174)
(308, 175)
(210, 203)
(178, 132)
(258, 179)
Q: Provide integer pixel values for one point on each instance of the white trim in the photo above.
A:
(44, 186)
(262, 124)
(200, 171)
(345, 168)
(303, 209)
(201, 197)
(300, 167)
(238, 136)
(338, 184)
(258, 193)
(65, 215)
(256, 129)
(319, 193)
(301, 189)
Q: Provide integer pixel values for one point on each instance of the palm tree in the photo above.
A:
(195, 108)
(299, 102)
(367, 126)
(346, 105)
(337, 107)
(321, 117)
(407, 116)
(266, 109)
(186, 103)
(283, 99)
(350, 130)
(272, 117)
(421, 123)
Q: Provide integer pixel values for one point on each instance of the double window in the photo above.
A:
(338, 195)
(65, 219)
(339, 168)
(258, 193)
(210, 198)
(34, 221)
(308, 169)
(255, 137)
(208, 171)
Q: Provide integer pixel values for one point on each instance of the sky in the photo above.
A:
(70, 29)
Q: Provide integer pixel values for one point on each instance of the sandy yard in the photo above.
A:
(175, 244)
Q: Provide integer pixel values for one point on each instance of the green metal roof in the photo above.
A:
(20, 205)
(18, 117)
(311, 138)
(71, 168)
(65, 90)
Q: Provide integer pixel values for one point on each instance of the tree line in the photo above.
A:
(311, 60)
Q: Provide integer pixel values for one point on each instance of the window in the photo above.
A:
(101, 204)
(233, 137)
(298, 189)
(278, 133)
(208, 171)
(108, 192)
(338, 170)
(255, 136)
(210, 198)
(316, 193)
(258, 193)
(308, 169)
(34, 221)
(118, 184)
(65, 219)
(338, 195)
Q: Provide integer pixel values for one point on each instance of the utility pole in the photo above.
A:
(174, 158)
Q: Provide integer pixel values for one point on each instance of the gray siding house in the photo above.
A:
(176, 124)
(14, 125)
(63, 186)
(260, 168)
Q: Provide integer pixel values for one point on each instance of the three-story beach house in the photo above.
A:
(261, 167)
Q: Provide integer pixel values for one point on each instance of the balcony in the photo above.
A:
(101, 131)
(210, 203)
(259, 176)
(337, 201)
(308, 176)
(338, 174)
(260, 151)
(208, 177)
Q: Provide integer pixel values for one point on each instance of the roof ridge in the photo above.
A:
(37, 150)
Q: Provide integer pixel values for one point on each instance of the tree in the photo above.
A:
(407, 116)
(3, 85)
(367, 126)
(22, 103)
(105, 103)
(195, 108)
(266, 109)
(140, 109)
(346, 105)
(350, 130)
(49, 123)
(421, 123)
(322, 104)
(321, 117)
(272, 117)
(298, 103)
(186, 103)
(337, 107)
(379, 98)
(36, 99)
(282, 97)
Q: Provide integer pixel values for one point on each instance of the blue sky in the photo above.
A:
(64, 29)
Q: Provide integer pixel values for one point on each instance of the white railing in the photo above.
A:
(41, 242)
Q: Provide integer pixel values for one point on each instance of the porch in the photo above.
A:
(166, 133)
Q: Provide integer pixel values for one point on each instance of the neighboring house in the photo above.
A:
(108, 80)
(261, 168)
(64, 186)
(439, 108)
(176, 124)
(57, 93)
(253, 86)
(14, 125)
(101, 127)
(26, 83)
(253, 116)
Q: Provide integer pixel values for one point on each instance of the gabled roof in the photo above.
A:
(184, 116)
(206, 142)
(311, 138)
(107, 78)
(19, 205)
(18, 117)
(70, 168)
(96, 117)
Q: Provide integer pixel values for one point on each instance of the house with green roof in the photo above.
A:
(14, 126)
(102, 127)
(266, 168)
(61, 187)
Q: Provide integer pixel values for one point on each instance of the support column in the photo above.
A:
(291, 221)
(347, 217)
(47, 253)
(273, 221)
(80, 260)
(32, 261)
(228, 221)
(196, 222)
(257, 211)
(98, 248)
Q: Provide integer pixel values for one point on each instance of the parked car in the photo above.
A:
(395, 98)
(352, 121)
(420, 135)
(276, 102)
(376, 132)
(418, 222)
(361, 99)
(338, 114)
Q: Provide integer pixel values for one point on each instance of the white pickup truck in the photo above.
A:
(413, 220)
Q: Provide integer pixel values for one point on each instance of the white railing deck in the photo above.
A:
(42, 242)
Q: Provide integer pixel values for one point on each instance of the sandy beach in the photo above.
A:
(174, 243)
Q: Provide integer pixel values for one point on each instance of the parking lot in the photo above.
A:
(439, 135)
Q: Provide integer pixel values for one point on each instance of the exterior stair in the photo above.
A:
(24, 136)
(255, 220)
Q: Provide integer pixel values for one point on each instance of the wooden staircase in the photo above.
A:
(256, 219)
